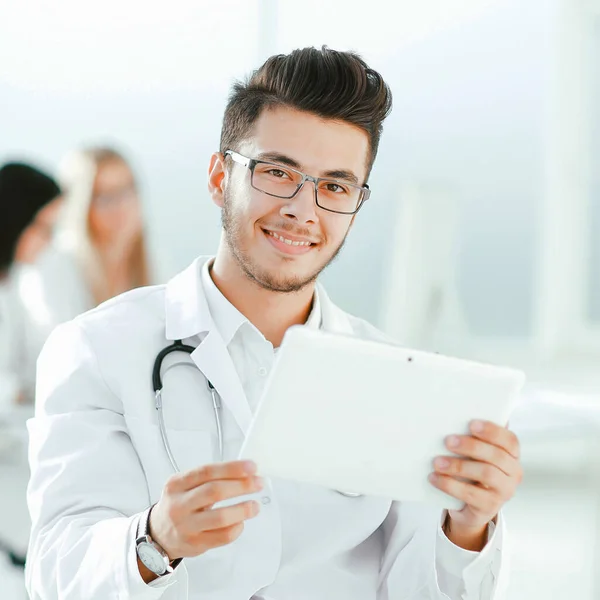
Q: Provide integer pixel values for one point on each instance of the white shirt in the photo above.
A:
(301, 561)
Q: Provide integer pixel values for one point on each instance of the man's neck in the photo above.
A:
(272, 313)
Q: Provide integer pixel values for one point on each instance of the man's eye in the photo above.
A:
(336, 188)
(277, 173)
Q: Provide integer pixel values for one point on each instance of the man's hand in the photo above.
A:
(184, 522)
(489, 460)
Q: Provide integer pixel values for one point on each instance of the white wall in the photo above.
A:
(594, 270)
(152, 77)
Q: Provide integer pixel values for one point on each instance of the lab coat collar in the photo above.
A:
(187, 312)
(188, 315)
(186, 309)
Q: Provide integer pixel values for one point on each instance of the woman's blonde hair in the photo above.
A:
(77, 175)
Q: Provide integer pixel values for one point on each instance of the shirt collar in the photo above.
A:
(228, 319)
(187, 313)
(315, 318)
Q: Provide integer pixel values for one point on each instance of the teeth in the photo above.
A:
(288, 242)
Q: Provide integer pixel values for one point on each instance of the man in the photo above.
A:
(297, 146)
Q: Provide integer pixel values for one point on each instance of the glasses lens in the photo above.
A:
(283, 182)
(276, 180)
(339, 196)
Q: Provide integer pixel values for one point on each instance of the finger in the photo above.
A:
(229, 470)
(207, 494)
(470, 447)
(478, 498)
(221, 518)
(496, 435)
(221, 537)
(201, 542)
(480, 472)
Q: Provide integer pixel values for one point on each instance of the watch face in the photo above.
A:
(151, 558)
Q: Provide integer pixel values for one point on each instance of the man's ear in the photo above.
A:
(216, 179)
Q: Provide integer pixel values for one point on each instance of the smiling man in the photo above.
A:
(124, 505)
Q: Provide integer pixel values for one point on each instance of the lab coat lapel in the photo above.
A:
(213, 359)
(187, 315)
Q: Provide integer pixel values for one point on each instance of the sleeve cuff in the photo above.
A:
(476, 570)
(456, 559)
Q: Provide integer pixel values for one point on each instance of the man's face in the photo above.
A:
(255, 222)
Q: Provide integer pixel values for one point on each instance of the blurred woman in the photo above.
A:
(98, 250)
(28, 204)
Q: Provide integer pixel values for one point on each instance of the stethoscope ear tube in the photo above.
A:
(176, 346)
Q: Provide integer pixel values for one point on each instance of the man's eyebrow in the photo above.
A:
(342, 174)
(283, 159)
(277, 157)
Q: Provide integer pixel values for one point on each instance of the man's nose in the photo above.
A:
(302, 208)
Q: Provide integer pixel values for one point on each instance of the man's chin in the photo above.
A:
(291, 283)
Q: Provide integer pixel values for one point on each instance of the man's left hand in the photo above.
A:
(489, 460)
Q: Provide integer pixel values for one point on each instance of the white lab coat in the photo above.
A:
(50, 292)
(97, 459)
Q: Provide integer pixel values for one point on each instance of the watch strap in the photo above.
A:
(143, 530)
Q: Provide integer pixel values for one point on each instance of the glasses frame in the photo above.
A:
(250, 163)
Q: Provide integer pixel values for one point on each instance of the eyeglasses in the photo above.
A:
(282, 181)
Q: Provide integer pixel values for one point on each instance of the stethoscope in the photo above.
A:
(178, 346)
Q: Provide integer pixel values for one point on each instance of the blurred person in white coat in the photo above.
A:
(111, 516)
(98, 250)
(29, 201)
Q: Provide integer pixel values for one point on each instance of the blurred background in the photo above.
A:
(481, 238)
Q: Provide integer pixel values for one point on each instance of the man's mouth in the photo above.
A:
(288, 243)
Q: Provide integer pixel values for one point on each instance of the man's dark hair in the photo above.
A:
(24, 190)
(327, 83)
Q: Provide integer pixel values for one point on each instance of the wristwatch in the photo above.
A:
(149, 552)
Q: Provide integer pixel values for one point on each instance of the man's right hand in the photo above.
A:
(184, 522)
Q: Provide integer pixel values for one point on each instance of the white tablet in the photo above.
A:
(369, 418)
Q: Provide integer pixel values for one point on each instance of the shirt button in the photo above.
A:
(262, 371)
(265, 500)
